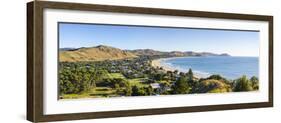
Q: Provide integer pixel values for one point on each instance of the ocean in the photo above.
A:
(230, 67)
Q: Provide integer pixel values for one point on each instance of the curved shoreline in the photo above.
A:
(157, 63)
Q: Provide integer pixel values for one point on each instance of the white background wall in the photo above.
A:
(13, 61)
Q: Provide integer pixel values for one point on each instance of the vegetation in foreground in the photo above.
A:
(136, 77)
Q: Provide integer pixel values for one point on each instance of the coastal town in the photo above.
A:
(140, 76)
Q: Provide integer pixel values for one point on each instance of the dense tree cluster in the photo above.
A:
(141, 91)
(245, 84)
(76, 78)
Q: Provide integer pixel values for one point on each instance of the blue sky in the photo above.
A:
(236, 43)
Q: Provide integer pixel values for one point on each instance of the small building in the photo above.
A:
(156, 88)
(155, 85)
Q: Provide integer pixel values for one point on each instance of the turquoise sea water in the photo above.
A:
(228, 66)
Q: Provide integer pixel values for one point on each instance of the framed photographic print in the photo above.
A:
(96, 61)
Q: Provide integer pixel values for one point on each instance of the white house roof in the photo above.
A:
(155, 85)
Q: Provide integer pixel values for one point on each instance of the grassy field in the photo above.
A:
(75, 96)
(94, 93)
(103, 92)
(138, 82)
(115, 75)
(133, 82)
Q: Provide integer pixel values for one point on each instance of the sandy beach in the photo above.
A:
(157, 63)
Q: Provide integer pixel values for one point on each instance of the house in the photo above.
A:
(155, 85)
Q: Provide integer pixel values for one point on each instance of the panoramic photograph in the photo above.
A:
(110, 61)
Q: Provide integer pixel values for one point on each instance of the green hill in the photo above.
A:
(98, 53)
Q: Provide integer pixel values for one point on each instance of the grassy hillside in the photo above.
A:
(214, 86)
(98, 53)
(150, 52)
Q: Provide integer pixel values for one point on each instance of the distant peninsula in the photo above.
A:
(103, 52)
